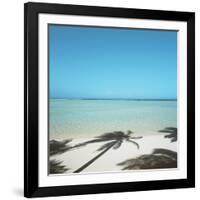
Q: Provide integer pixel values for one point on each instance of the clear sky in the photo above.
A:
(89, 62)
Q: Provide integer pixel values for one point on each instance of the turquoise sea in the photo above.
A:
(89, 118)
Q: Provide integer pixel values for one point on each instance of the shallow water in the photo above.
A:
(89, 118)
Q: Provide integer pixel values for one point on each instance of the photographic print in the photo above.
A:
(112, 99)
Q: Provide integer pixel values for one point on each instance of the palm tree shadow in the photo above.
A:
(56, 167)
(113, 141)
(172, 133)
(159, 159)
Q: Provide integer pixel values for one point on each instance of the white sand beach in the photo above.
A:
(77, 157)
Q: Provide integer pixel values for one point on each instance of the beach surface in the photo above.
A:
(109, 161)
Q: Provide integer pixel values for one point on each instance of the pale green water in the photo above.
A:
(88, 118)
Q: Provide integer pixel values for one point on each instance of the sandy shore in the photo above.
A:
(75, 158)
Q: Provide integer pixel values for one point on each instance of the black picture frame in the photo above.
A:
(31, 170)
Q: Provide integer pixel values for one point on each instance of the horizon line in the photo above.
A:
(70, 98)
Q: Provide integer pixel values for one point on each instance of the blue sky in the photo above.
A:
(89, 62)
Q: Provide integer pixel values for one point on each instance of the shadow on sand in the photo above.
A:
(172, 133)
(58, 147)
(56, 167)
(159, 159)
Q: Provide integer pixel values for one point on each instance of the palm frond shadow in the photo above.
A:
(158, 159)
(56, 167)
(117, 136)
(172, 133)
(58, 147)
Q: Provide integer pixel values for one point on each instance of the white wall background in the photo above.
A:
(11, 98)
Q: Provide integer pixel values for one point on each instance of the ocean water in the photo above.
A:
(89, 118)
